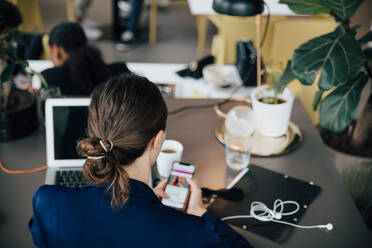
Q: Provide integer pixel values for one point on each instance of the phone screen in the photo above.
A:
(177, 187)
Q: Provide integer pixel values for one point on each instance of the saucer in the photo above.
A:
(267, 146)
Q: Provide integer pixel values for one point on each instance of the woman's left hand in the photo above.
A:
(159, 189)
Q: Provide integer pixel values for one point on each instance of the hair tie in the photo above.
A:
(104, 147)
(96, 158)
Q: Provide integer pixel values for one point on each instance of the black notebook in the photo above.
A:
(263, 185)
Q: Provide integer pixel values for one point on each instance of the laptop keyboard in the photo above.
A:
(70, 178)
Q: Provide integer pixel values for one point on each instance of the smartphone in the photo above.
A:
(177, 187)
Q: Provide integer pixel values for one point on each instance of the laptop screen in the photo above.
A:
(69, 126)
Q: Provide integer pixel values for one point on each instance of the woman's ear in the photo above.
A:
(57, 55)
(155, 146)
(158, 140)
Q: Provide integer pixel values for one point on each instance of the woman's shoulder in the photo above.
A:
(47, 195)
(46, 191)
(56, 75)
(54, 71)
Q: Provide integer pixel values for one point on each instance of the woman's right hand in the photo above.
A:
(196, 206)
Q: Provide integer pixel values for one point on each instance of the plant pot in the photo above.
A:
(272, 119)
(21, 118)
(356, 173)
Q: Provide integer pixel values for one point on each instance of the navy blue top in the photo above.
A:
(65, 217)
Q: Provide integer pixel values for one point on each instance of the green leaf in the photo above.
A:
(336, 57)
(40, 76)
(337, 110)
(284, 79)
(366, 38)
(307, 7)
(317, 98)
(7, 73)
(343, 9)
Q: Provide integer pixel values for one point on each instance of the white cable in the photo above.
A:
(261, 212)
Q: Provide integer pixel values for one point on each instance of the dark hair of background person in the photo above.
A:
(10, 17)
(85, 62)
(130, 111)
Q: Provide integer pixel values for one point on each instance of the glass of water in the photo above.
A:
(238, 155)
(239, 127)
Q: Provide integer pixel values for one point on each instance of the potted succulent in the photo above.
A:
(341, 66)
(18, 108)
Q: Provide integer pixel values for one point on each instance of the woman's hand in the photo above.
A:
(159, 189)
(196, 206)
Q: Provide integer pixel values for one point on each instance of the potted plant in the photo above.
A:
(272, 106)
(272, 110)
(18, 108)
(340, 65)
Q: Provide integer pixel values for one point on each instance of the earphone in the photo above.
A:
(261, 212)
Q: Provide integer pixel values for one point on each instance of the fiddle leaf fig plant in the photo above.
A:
(337, 62)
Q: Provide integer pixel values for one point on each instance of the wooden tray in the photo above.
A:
(263, 146)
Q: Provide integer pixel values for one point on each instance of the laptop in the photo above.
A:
(66, 121)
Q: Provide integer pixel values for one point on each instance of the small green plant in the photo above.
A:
(273, 72)
(337, 62)
(9, 62)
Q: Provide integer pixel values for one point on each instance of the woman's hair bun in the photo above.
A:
(90, 147)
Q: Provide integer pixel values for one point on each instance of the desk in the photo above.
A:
(166, 73)
(195, 129)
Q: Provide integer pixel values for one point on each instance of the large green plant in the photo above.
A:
(335, 61)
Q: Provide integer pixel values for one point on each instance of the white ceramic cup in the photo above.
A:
(170, 152)
(272, 119)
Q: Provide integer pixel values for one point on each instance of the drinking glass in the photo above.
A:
(239, 129)
(236, 159)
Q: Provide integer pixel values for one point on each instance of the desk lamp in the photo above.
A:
(244, 8)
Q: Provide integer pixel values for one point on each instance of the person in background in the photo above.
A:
(90, 27)
(79, 67)
(126, 130)
(128, 36)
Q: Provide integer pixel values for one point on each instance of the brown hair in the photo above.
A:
(128, 111)
(84, 62)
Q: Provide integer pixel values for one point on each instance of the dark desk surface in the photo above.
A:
(195, 129)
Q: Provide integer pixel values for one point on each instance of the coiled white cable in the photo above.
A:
(261, 212)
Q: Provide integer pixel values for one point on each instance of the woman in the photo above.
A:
(79, 68)
(127, 123)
